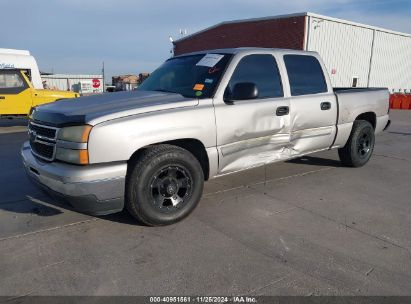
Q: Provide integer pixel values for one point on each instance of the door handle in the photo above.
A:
(325, 106)
(2, 97)
(281, 111)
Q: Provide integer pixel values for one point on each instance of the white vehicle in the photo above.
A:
(21, 60)
(197, 117)
(21, 87)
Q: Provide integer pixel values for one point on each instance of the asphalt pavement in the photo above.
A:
(303, 227)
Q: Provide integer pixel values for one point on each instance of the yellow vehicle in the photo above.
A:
(18, 96)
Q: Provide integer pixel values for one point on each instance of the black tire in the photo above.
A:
(358, 150)
(163, 185)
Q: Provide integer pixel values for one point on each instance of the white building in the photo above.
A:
(354, 52)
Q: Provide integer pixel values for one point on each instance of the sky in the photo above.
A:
(130, 37)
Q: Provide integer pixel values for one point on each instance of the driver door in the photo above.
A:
(253, 132)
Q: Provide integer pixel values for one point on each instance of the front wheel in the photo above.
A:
(164, 185)
(358, 150)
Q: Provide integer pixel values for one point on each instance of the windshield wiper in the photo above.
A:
(165, 91)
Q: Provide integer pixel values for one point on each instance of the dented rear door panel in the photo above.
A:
(312, 128)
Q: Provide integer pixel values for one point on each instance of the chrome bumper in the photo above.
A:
(94, 189)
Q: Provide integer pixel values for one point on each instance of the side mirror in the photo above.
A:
(243, 91)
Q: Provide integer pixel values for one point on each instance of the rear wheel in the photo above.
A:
(360, 145)
(164, 185)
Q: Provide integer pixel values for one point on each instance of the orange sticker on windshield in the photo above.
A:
(198, 87)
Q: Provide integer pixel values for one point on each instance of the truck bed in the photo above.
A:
(351, 90)
(355, 101)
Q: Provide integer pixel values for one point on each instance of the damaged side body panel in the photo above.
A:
(251, 133)
(259, 136)
(312, 128)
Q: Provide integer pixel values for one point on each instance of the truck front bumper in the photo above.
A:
(94, 189)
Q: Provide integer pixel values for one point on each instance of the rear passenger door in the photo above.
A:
(313, 104)
(252, 132)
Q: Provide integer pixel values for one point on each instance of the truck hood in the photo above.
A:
(57, 94)
(98, 108)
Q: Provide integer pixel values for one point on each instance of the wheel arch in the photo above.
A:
(371, 117)
(194, 146)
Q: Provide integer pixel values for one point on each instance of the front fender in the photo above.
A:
(118, 139)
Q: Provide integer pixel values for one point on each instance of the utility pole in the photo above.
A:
(104, 79)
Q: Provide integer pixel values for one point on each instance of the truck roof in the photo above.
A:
(14, 52)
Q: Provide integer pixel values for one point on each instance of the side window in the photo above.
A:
(305, 75)
(11, 82)
(261, 70)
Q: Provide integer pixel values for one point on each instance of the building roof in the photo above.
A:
(64, 76)
(294, 15)
(243, 50)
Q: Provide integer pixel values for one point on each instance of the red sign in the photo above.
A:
(96, 83)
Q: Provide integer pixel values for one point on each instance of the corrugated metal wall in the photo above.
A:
(391, 62)
(56, 83)
(345, 49)
(67, 82)
(378, 58)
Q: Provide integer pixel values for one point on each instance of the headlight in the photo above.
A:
(77, 134)
(72, 144)
(79, 157)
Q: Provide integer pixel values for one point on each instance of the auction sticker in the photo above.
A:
(210, 60)
(198, 87)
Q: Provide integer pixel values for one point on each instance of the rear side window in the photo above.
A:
(261, 70)
(305, 75)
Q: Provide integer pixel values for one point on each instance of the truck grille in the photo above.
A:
(43, 141)
(43, 131)
(42, 150)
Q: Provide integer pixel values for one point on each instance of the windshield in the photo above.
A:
(195, 76)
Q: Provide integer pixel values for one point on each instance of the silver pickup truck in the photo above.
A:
(197, 117)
